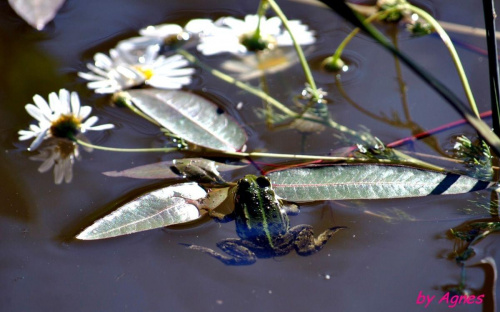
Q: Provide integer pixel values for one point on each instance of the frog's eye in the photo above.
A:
(263, 182)
(244, 183)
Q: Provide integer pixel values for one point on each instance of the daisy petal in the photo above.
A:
(58, 173)
(64, 100)
(42, 105)
(26, 135)
(103, 61)
(36, 113)
(56, 105)
(48, 163)
(101, 127)
(161, 31)
(200, 25)
(38, 141)
(84, 112)
(89, 122)
(75, 104)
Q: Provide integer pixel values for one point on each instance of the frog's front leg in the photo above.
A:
(237, 250)
(305, 244)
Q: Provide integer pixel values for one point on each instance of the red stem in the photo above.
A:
(433, 131)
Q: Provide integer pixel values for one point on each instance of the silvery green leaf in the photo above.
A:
(202, 170)
(191, 117)
(159, 208)
(159, 170)
(162, 170)
(37, 13)
(338, 182)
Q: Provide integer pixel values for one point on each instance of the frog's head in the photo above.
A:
(251, 181)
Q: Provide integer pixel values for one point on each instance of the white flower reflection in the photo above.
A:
(110, 74)
(62, 117)
(250, 66)
(239, 36)
(61, 155)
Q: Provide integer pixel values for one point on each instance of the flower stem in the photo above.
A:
(272, 101)
(407, 161)
(260, 12)
(332, 61)
(124, 98)
(454, 55)
(126, 150)
(307, 71)
(278, 105)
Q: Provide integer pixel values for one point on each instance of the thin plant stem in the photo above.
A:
(454, 55)
(272, 101)
(433, 131)
(399, 74)
(260, 12)
(489, 19)
(441, 32)
(411, 162)
(126, 150)
(307, 71)
(124, 99)
(407, 161)
(340, 49)
(240, 84)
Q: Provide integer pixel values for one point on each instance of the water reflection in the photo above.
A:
(61, 155)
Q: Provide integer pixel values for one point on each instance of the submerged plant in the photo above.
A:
(476, 156)
(62, 117)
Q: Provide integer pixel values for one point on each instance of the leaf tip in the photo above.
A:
(111, 173)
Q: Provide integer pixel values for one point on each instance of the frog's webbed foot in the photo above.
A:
(305, 243)
(237, 253)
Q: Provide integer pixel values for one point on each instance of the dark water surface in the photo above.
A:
(375, 265)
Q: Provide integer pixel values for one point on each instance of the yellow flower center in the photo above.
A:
(66, 126)
(147, 72)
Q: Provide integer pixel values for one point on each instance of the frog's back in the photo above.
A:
(258, 214)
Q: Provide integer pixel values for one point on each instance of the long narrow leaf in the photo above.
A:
(163, 169)
(163, 207)
(339, 182)
(482, 128)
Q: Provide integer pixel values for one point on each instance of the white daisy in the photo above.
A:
(239, 36)
(116, 72)
(62, 117)
(61, 155)
(164, 35)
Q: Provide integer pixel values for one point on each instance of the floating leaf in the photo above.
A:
(215, 198)
(159, 170)
(191, 117)
(163, 207)
(337, 182)
(163, 170)
(37, 13)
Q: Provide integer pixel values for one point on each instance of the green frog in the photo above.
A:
(263, 227)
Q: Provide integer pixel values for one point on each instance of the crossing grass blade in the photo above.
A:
(482, 128)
